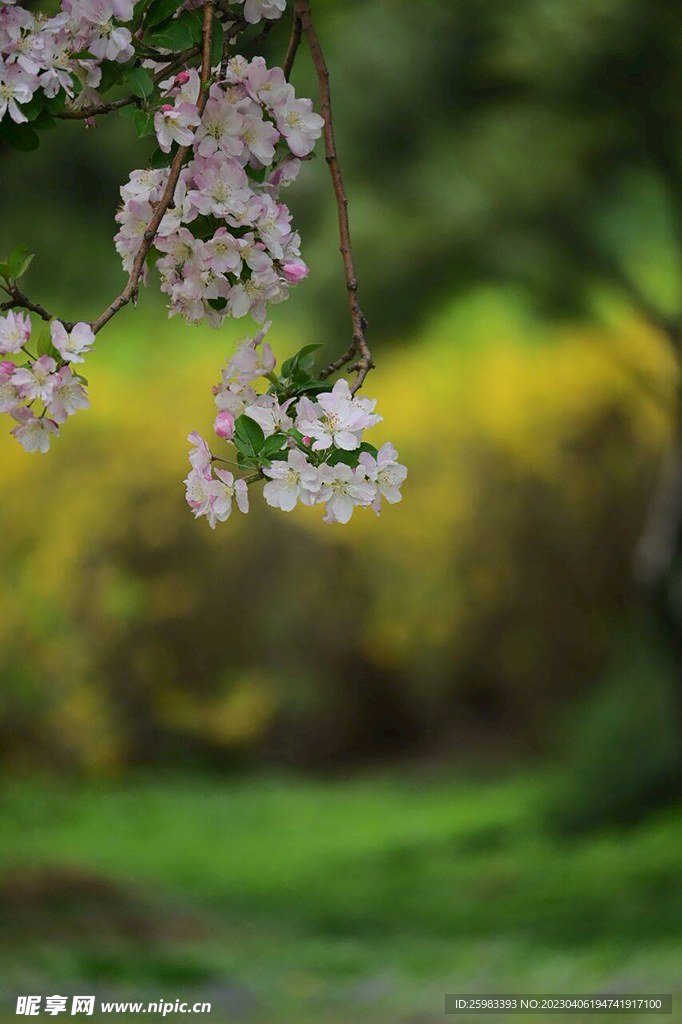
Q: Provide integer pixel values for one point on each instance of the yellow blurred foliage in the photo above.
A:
(105, 609)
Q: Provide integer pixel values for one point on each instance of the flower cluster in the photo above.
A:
(226, 245)
(64, 53)
(43, 391)
(42, 53)
(234, 136)
(303, 436)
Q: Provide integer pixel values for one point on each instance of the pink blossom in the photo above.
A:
(267, 85)
(16, 87)
(294, 270)
(342, 488)
(9, 393)
(386, 473)
(36, 380)
(73, 344)
(174, 124)
(248, 363)
(33, 432)
(200, 456)
(259, 138)
(221, 189)
(254, 10)
(220, 129)
(224, 425)
(291, 481)
(222, 253)
(270, 415)
(69, 394)
(299, 125)
(15, 331)
(336, 419)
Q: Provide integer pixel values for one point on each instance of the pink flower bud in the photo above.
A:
(224, 425)
(182, 77)
(307, 440)
(294, 271)
(7, 366)
(166, 107)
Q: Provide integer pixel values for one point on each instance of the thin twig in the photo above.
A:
(20, 301)
(130, 291)
(231, 34)
(264, 33)
(125, 101)
(177, 62)
(96, 108)
(292, 48)
(359, 344)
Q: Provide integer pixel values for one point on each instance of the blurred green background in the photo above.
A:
(323, 774)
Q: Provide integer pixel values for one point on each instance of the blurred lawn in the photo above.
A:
(286, 900)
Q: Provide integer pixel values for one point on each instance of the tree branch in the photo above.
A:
(359, 344)
(231, 34)
(130, 291)
(96, 108)
(292, 48)
(20, 301)
(125, 101)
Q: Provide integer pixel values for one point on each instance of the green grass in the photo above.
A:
(359, 900)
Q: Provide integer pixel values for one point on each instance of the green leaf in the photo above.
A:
(217, 42)
(33, 107)
(19, 136)
(56, 104)
(160, 159)
(160, 10)
(248, 436)
(113, 72)
(45, 346)
(367, 447)
(300, 378)
(273, 445)
(301, 360)
(348, 458)
(138, 13)
(152, 256)
(140, 82)
(144, 122)
(4, 271)
(19, 260)
(245, 462)
(44, 121)
(306, 351)
(128, 111)
(176, 35)
(315, 387)
(84, 55)
(195, 24)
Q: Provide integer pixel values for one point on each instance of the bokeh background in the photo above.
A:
(324, 774)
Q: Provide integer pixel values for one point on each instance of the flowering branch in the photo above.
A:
(106, 108)
(359, 344)
(130, 291)
(207, 211)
